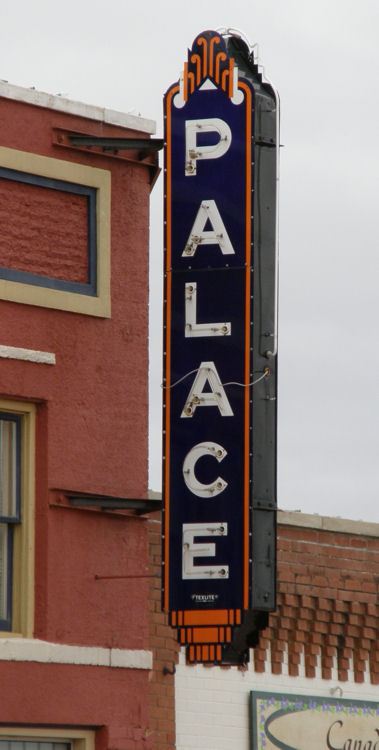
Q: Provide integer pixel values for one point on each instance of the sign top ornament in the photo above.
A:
(209, 63)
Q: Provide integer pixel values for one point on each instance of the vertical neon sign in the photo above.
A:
(211, 367)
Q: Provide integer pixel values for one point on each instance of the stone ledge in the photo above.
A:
(327, 523)
(27, 355)
(314, 521)
(29, 649)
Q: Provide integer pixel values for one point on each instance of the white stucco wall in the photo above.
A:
(212, 703)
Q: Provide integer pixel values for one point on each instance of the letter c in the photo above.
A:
(330, 746)
(198, 488)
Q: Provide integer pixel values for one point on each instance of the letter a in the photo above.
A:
(216, 397)
(218, 235)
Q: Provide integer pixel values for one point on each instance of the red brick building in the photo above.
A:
(320, 651)
(86, 657)
(75, 642)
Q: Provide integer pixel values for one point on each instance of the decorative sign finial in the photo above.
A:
(208, 60)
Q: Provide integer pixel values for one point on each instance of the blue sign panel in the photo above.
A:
(207, 409)
(213, 182)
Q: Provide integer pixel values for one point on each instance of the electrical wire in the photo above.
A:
(168, 387)
(249, 385)
(231, 382)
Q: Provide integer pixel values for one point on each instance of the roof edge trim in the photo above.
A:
(80, 109)
(328, 523)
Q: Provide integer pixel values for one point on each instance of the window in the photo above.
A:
(72, 206)
(67, 206)
(35, 744)
(10, 446)
(26, 738)
(17, 426)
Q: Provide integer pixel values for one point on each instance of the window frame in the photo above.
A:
(88, 287)
(65, 296)
(80, 739)
(20, 615)
(6, 622)
(9, 521)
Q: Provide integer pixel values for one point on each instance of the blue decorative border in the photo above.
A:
(89, 288)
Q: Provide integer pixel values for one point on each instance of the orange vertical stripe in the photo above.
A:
(185, 81)
(246, 514)
(203, 42)
(220, 56)
(224, 76)
(196, 59)
(169, 98)
(231, 67)
(191, 78)
(214, 40)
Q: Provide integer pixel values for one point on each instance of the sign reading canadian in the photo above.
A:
(304, 722)
(219, 347)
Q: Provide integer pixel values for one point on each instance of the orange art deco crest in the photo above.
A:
(208, 60)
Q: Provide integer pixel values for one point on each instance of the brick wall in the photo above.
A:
(328, 587)
(89, 597)
(322, 641)
(165, 650)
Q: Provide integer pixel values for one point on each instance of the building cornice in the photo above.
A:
(327, 523)
(80, 109)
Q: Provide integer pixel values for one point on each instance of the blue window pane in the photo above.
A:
(3, 577)
(8, 467)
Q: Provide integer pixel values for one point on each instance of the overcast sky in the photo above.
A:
(323, 57)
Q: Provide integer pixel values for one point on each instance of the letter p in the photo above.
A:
(195, 151)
